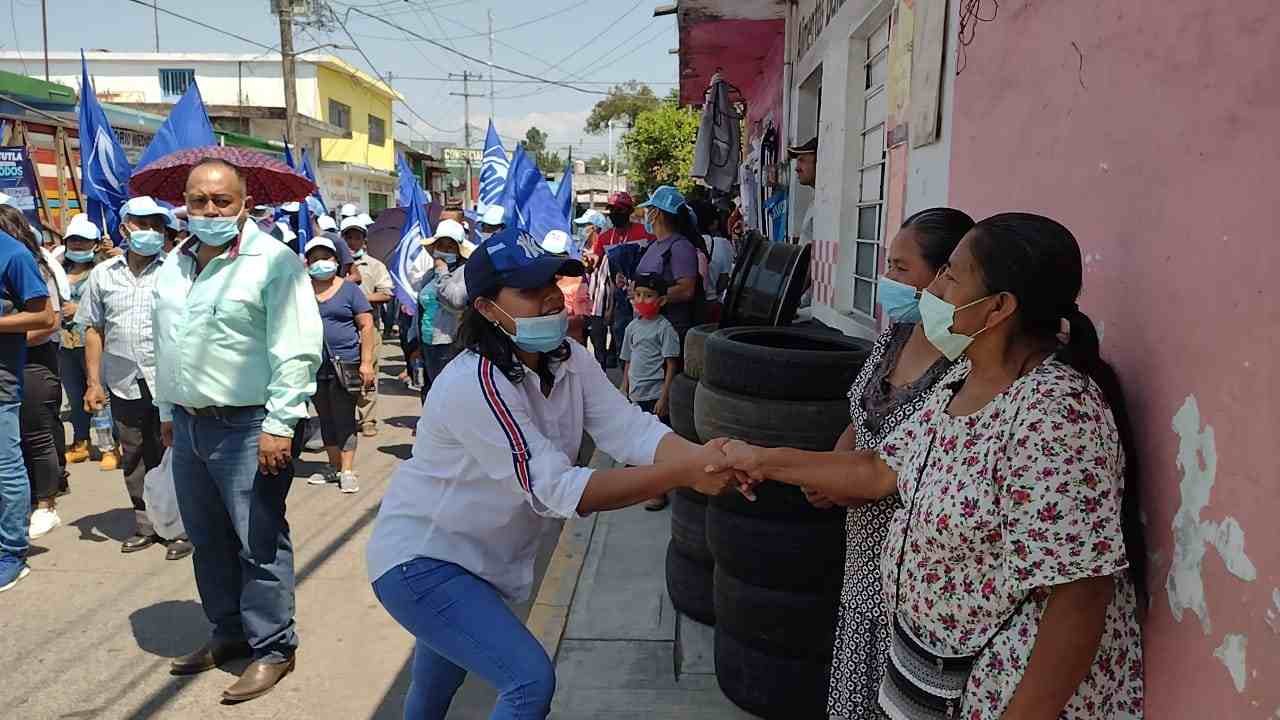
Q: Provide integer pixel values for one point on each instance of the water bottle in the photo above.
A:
(100, 430)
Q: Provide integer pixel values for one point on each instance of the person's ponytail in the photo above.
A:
(686, 223)
(1082, 351)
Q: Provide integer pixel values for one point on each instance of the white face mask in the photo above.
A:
(938, 316)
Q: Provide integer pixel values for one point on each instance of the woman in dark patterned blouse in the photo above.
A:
(898, 377)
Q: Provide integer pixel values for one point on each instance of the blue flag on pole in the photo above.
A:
(529, 203)
(303, 231)
(564, 191)
(104, 168)
(187, 126)
(310, 174)
(493, 168)
(415, 228)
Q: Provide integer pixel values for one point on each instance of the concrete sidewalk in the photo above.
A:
(621, 649)
(89, 634)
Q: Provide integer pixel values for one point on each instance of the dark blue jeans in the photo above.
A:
(15, 488)
(74, 381)
(462, 625)
(235, 518)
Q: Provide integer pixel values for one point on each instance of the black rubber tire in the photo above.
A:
(800, 557)
(783, 363)
(770, 687)
(680, 407)
(777, 622)
(806, 425)
(695, 341)
(689, 526)
(690, 586)
(778, 502)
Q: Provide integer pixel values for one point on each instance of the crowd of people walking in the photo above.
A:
(995, 563)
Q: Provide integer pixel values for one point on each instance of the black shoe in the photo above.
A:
(134, 543)
(178, 549)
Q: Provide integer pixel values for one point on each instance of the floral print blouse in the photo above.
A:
(1020, 496)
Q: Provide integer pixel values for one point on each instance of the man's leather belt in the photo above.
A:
(220, 412)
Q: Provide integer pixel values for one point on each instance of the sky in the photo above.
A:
(588, 42)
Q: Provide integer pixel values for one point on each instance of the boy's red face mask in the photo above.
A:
(647, 309)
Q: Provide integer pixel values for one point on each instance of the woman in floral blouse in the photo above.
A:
(1018, 540)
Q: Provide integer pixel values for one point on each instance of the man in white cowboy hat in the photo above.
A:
(375, 281)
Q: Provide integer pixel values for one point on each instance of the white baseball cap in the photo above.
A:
(349, 210)
(493, 215)
(326, 223)
(287, 234)
(320, 242)
(291, 207)
(453, 230)
(365, 219)
(556, 242)
(353, 222)
(81, 226)
(144, 206)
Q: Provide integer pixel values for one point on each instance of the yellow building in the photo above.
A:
(359, 168)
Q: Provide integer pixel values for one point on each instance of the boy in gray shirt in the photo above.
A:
(650, 349)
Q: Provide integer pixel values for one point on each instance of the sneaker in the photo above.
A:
(12, 569)
(349, 482)
(42, 521)
(78, 452)
(110, 461)
(324, 477)
(369, 430)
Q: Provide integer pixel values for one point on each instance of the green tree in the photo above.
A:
(599, 164)
(659, 148)
(535, 140)
(535, 144)
(627, 100)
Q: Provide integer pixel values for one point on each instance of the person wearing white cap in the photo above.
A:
(80, 239)
(491, 221)
(366, 220)
(375, 281)
(442, 296)
(348, 210)
(116, 311)
(326, 223)
(348, 357)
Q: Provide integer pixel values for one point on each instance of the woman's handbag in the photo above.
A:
(346, 373)
(920, 684)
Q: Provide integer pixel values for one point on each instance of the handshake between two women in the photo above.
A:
(838, 477)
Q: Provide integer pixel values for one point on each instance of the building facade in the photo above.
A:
(345, 116)
(1145, 127)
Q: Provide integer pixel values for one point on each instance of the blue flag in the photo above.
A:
(303, 230)
(415, 228)
(104, 168)
(529, 203)
(564, 191)
(493, 168)
(187, 126)
(310, 174)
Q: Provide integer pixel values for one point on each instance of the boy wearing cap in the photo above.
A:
(116, 310)
(372, 276)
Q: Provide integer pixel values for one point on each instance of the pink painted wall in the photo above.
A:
(1158, 144)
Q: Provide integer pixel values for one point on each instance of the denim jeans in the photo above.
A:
(15, 488)
(75, 383)
(462, 625)
(235, 518)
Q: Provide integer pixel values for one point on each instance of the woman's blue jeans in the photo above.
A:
(462, 625)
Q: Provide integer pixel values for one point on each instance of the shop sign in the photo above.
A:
(461, 156)
(812, 22)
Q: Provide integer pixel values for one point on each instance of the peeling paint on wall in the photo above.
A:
(1198, 461)
(1231, 652)
(1273, 612)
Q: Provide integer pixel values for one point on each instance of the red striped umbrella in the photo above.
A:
(268, 180)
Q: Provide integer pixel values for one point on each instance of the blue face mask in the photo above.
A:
(358, 254)
(323, 269)
(539, 334)
(80, 256)
(215, 231)
(146, 242)
(900, 301)
(648, 223)
(448, 258)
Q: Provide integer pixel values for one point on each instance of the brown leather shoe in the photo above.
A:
(257, 680)
(214, 653)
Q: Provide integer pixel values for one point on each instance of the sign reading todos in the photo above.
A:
(18, 181)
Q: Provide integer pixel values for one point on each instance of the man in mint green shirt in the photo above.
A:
(238, 339)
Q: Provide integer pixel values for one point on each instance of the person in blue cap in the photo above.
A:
(493, 466)
(674, 256)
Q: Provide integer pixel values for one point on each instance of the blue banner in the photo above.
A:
(415, 228)
(18, 181)
(493, 168)
(187, 126)
(104, 168)
(528, 200)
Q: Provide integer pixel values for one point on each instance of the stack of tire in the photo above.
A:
(690, 567)
(778, 561)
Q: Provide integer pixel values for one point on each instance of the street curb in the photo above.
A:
(550, 612)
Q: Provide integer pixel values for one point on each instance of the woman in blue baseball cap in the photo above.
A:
(675, 256)
(492, 468)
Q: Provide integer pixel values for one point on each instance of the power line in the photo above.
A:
(464, 55)
(593, 65)
(612, 23)
(204, 25)
(476, 33)
(542, 82)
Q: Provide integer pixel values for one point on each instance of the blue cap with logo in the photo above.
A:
(665, 198)
(513, 258)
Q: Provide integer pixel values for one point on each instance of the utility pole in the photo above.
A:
(44, 27)
(155, 18)
(492, 113)
(466, 125)
(290, 79)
